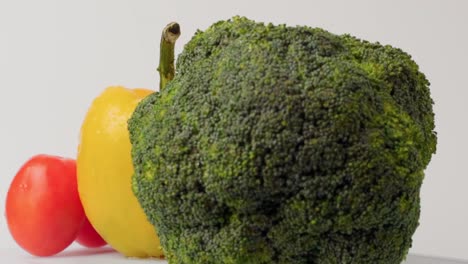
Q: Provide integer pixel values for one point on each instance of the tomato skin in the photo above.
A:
(89, 237)
(43, 209)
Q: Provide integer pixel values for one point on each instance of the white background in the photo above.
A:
(56, 56)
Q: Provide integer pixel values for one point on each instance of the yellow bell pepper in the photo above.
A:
(105, 168)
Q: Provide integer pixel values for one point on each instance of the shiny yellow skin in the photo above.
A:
(104, 170)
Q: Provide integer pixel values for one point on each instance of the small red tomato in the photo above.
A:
(43, 209)
(88, 236)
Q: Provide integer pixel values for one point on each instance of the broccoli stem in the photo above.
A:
(166, 66)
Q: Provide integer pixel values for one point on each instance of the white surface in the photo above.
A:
(56, 56)
(74, 256)
(106, 255)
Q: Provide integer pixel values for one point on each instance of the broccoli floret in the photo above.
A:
(279, 144)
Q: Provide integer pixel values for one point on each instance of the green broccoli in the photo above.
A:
(279, 144)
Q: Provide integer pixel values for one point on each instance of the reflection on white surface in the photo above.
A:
(101, 255)
(415, 259)
(73, 256)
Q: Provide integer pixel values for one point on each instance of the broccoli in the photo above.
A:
(280, 144)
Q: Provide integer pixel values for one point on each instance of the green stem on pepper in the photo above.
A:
(166, 66)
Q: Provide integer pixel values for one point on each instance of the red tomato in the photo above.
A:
(88, 236)
(43, 209)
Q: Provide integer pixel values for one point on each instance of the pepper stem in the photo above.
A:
(166, 66)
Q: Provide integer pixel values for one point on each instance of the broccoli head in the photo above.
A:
(280, 144)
